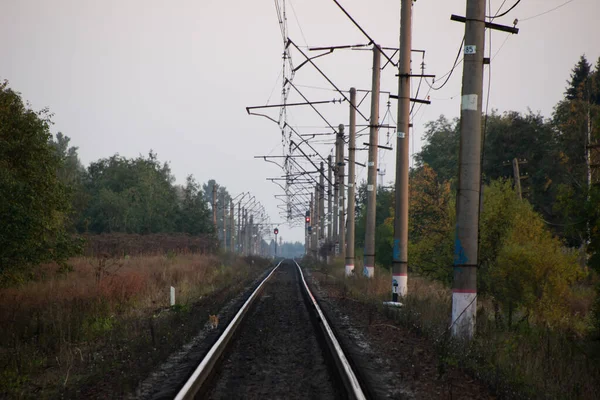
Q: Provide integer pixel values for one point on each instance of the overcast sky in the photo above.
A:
(127, 76)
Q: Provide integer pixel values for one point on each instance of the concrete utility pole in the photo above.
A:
(400, 253)
(232, 232)
(239, 222)
(321, 205)
(336, 200)
(224, 206)
(351, 185)
(330, 200)
(250, 236)
(341, 193)
(243, 232)
(517, 177)
(214, 207)
(313, 223)
(464, 288)
(372, 168)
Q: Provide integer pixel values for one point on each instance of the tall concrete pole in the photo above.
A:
(330, 200)
(246, 234)
(314, 223)
(336, 199)
(239, 222)
(372, 168)
(341, 192)
(464, 287)
(322, 204)
(517, 177)
(251, 235)
(400, 253)
(232, 227)
(224, 206)
(214, 207)
(351, 185)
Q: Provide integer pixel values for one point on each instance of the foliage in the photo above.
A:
(35, 203)
(431, 221)
(130, 195)
(194, 217)
(522, 265)
(440, 150)
(384, 233)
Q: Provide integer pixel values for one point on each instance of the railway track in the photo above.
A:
(278, 345)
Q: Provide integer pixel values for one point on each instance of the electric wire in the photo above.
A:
(505, 12)
(547, 12)
(449, 73)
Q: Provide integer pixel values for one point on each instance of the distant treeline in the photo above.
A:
(51, 203)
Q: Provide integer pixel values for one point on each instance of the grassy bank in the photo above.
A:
(107, 318)
(523, 361)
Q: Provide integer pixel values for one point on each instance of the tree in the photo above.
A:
(71, 170)
(383, 233)
(441, 149)
(223, 198)
(130, 195)
(194, 215)
(35, 203)
(578, 85)
(576, 119)
(431, 225)
(522, 265)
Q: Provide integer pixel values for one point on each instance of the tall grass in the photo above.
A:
(59, 320)
(524, 361)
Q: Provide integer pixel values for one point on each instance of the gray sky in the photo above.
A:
(127, 76)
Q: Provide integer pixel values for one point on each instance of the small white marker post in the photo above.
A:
(172, 296)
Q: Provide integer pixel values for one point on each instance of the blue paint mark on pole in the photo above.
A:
(396, 253)
(460, 258)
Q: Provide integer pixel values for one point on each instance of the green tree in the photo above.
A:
(223, 198)
(35, 203)
(431, 225)
(522, 265)
(383, 233)
(130, 195)
(71, 170)
(579, 80)
(194, 216)
(440, 151)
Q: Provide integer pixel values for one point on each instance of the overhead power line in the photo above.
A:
(505, 12)
(547, 12)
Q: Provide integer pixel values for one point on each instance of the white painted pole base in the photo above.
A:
(392, 304)
(464, 309)
(400, 285)
(172, 296)
(349, 270)
(369, 272)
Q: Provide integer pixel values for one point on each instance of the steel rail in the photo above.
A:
(194, 383)
(351, 383)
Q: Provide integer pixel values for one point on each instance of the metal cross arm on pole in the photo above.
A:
(365, 33)
(303, 140)
(379, 146)
(489, 25)
(393, 96)
(324, 76)
(416, 75)
(314, 165)
(356, 162)
(311, 105)
(293, 104)
(345, 46)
